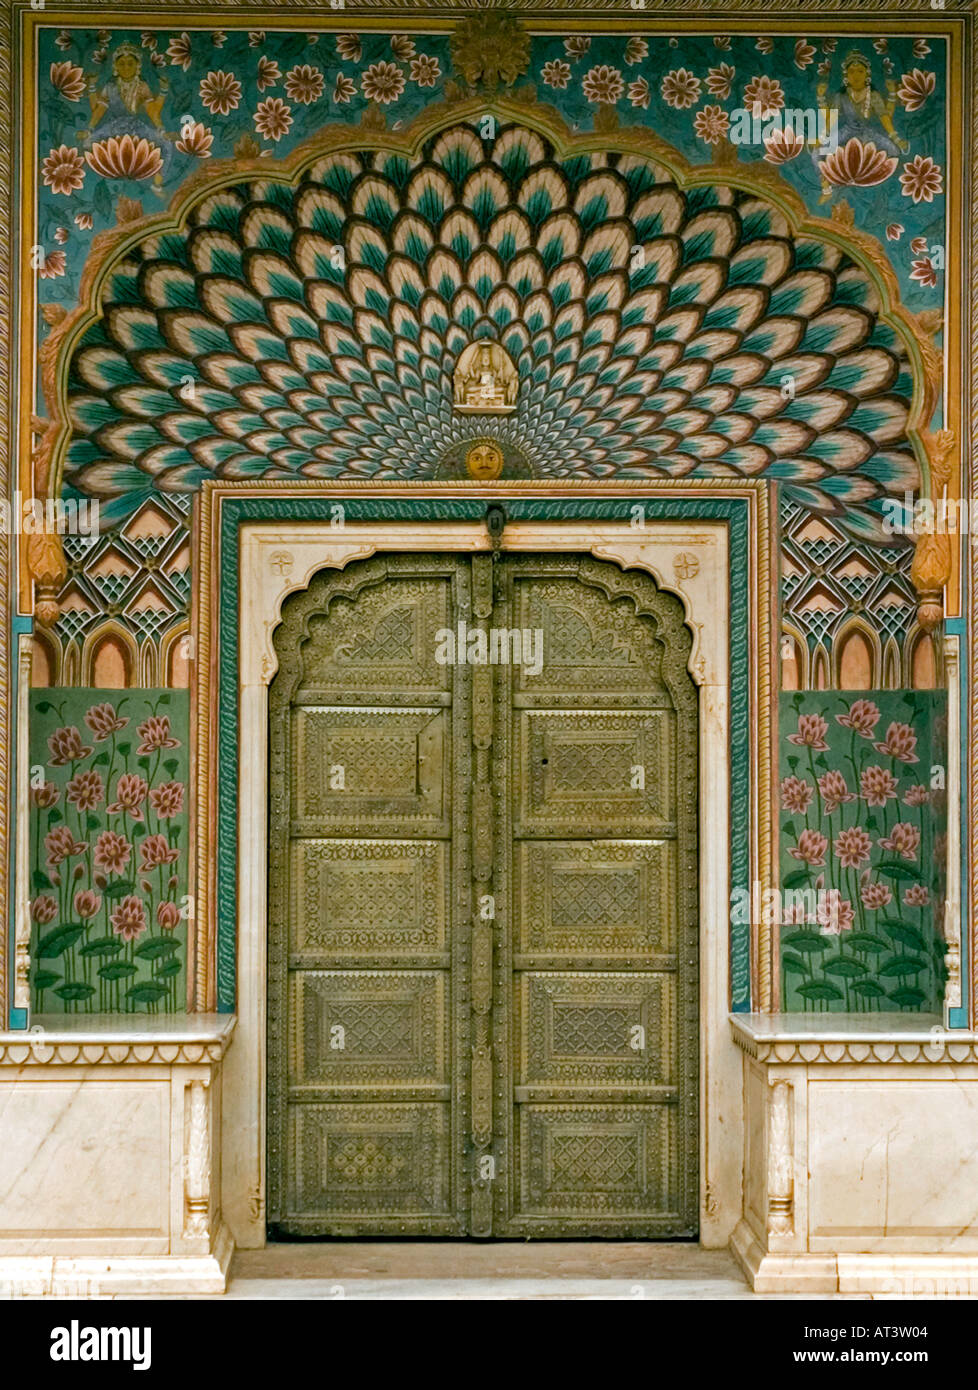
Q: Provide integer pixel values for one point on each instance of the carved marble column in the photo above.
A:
(197, 1161)
(780, 1176)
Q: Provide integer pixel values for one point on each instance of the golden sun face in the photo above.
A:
(484, 461)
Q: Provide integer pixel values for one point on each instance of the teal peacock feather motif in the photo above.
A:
(311, 331)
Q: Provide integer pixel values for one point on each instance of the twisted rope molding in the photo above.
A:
(6, 441)
(709, 9)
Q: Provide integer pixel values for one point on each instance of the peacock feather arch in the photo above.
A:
(303, 318)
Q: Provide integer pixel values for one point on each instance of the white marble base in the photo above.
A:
(859, 1151)
(879, 1276)
(110, 1157)
(123, 1276)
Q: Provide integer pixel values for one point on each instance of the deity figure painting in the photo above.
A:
(864, 114)
(126, 106)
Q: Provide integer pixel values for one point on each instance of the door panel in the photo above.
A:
(483, 987)
(392, 1025)
(578, 772)
(577, 1031)
(394, 772)
(594, 1000)
(584, 898)
(352, 1165)
(368, 906)
(353, 907)
(594, 1169)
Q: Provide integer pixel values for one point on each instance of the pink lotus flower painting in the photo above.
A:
(109, 851)
(861, 851)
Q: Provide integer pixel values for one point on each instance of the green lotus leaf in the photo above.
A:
(894, 869)
(864, 941)
(806, 941)
(147, 993)
(793, 964)
(792, 880)
(157, 946)
(101, 946)
(867, 989)
(906, 935)
(75, 990)
(54, 942)
(908, 998)
(117, 970)
(902, 965)
(119, 888)
(843, 966)
(819, 989)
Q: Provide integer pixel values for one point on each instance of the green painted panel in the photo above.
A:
(863, 811)
(108, 852)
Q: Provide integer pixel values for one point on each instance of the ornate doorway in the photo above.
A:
(482, 1011)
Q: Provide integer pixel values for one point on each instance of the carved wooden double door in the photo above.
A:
(483, 979)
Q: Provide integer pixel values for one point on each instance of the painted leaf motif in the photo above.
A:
(117, 970)
(101, 946)
(146, 993)
(903, 965)
(908, 998)
(893, 868)
(906, 935)
(157, 946)
(820, 990)
(865, 941)
(844, 967)
(119, 887)
(53, 943)
(793, 880)
(794, 964)
(75, 990)
(867, 989)
(806, 942)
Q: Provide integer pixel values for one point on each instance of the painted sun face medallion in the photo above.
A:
(484, 460)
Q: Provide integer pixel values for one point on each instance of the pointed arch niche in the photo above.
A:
(109, 659)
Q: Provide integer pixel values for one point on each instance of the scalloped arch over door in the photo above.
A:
(306, 321)
(483, 903)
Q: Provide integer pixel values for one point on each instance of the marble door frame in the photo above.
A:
(687, 557)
